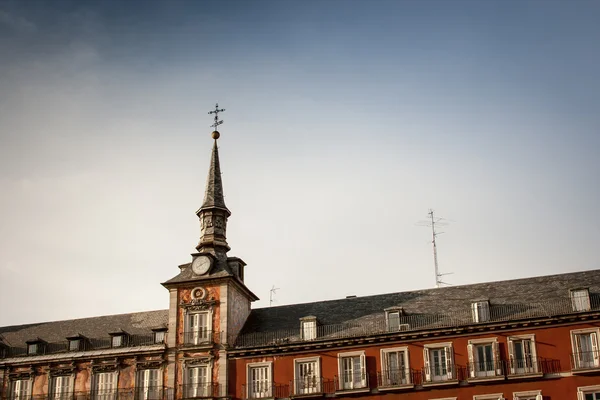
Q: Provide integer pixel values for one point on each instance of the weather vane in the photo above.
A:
(216, 112)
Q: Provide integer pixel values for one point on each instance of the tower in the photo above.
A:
(209, 301)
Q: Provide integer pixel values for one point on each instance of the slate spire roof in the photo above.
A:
(213, 197)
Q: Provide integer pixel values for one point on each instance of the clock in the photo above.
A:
(201, 265)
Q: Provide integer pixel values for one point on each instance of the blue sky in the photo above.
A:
(346, 121)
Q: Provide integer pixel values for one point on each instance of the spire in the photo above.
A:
(213, 197)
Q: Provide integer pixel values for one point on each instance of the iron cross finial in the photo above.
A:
(216, 112)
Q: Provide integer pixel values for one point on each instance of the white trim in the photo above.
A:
(437, 345)
(363, 367)
(404, 350)
(575, 350)
(249, 366)
(143, 389)
(446, 398)
(493, 396)
(529, 393)
(483, 340)
(317, 361)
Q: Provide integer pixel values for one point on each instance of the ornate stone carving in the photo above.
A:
(105, 366)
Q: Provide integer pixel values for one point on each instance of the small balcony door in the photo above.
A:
(308, 377)
(353, 372)
(149, 384)
(523, 362)
(198, 327)
(105, 386)
(586, 346)
(198, 382)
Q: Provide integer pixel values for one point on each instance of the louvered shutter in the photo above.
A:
(427, 365)
(449, 362)
(471, 360)
(577, 356)
(511, 355)
(474, 312)
(594, 339)
(580, 396)
(533, 353)
(539, 397)
(497, 363)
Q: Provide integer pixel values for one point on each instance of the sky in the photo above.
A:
(345, 122)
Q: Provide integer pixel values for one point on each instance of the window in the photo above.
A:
(495, 396)
(21, 389)
(308, 326)
(198, 328)
(529, 395)
(159, 337)
(484, 358)
(588, 393)
(580, 299)
(149, 384)
(32, 348)
(480, 311)
(117, 341)
(105, 386)
(198, 381)
(522, 355)
(259, 380)
(62, 387)
(352, 371)
(308, 376)
(439, 364)
(74, 344)
(393, 321)
(394, 367)
(585, 349)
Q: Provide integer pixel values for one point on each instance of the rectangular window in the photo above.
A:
(159, 337)
(588, 392)
(105, 386)
(394, 367)
(74, 344)
(438, 362)
(529, 395)
(580, 300)
(309, 330)
(149, 384)
(585, 351)
(521, 355)
(21, 389)
(198, 381)
(198, 328)
(62, 388)
(308, 378)
(259, 381)
(352, 371)
(117, 341)
(480, 311)
(32, 348)
(484, 359)
(393, 321)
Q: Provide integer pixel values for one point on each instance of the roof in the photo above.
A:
(507, 299)
(140, 323)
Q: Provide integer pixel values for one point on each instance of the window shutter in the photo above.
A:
(533, 352)
(539, 397)
(449, 362)
(474, 312)
(427, 367)
(471, 360)
(497, 363)
(580, 396)
(363, 370)
(594, 338)
(511, 355)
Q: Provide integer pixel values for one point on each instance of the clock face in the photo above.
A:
(201, 265)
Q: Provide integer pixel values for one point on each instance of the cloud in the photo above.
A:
(17, 23)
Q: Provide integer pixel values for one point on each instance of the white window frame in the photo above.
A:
(61, 394)
(446, 398)
(492, 396)
(406, 376)
(514, 369)
(302, 385)
(75, 344)
(480, 310)
(18, 392)
(580, 299)
(199, 389)
(264, 393)
(33, 348)
(199, 334)
(583, 390)
(449, 359)
(344, 384)
(537, 394)
(117, 341)
(308, 328)
(144, 390)
(474, 363)
(105, 393)
(388, 320)
(160, 337)
(595, 359)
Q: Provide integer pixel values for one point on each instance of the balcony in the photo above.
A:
(200, 338)
(112, 394)
(485, 371)
(312, 386)
(587, 361)
(352, 382)
(443, 374)
(395, 379)
(530, 367)
(201, 391)
(265, 390)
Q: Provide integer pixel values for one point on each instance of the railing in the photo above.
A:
(200, 337)
(395, 377)
(265, 390)
(312, 385)
(114, 394)
(444, 373)
(485, 369)
(585, 360)
(415, 322)
(352, 381)
(203, 390)
(85, 344)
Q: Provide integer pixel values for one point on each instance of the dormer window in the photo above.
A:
(118, 339)
(392, 319)
(159, 335)
(308, 328)
(480, 311)
(32, 348)
(580, 299)
(76, 343)
(35, 347)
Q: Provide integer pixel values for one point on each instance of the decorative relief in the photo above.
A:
(21, 373)
(198, 293)
(148, 364)
(191, 362)
(199, 305)
(62, 369)
(105, 366)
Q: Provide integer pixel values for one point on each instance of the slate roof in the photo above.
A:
(511, 299)
(140, 323)
(219, 269)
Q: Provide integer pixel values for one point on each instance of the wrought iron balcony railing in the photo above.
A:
(395, 377)
(352, 381)
(444, 373)
(202, 390)
(265, 390)
(485, 369)
(312, 385)
(585, 360)
(200, 337)
(112, 394)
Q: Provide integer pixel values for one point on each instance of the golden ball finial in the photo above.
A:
(215, 135)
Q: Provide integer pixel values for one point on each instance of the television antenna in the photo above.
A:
(271, 293)
(433, 222)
